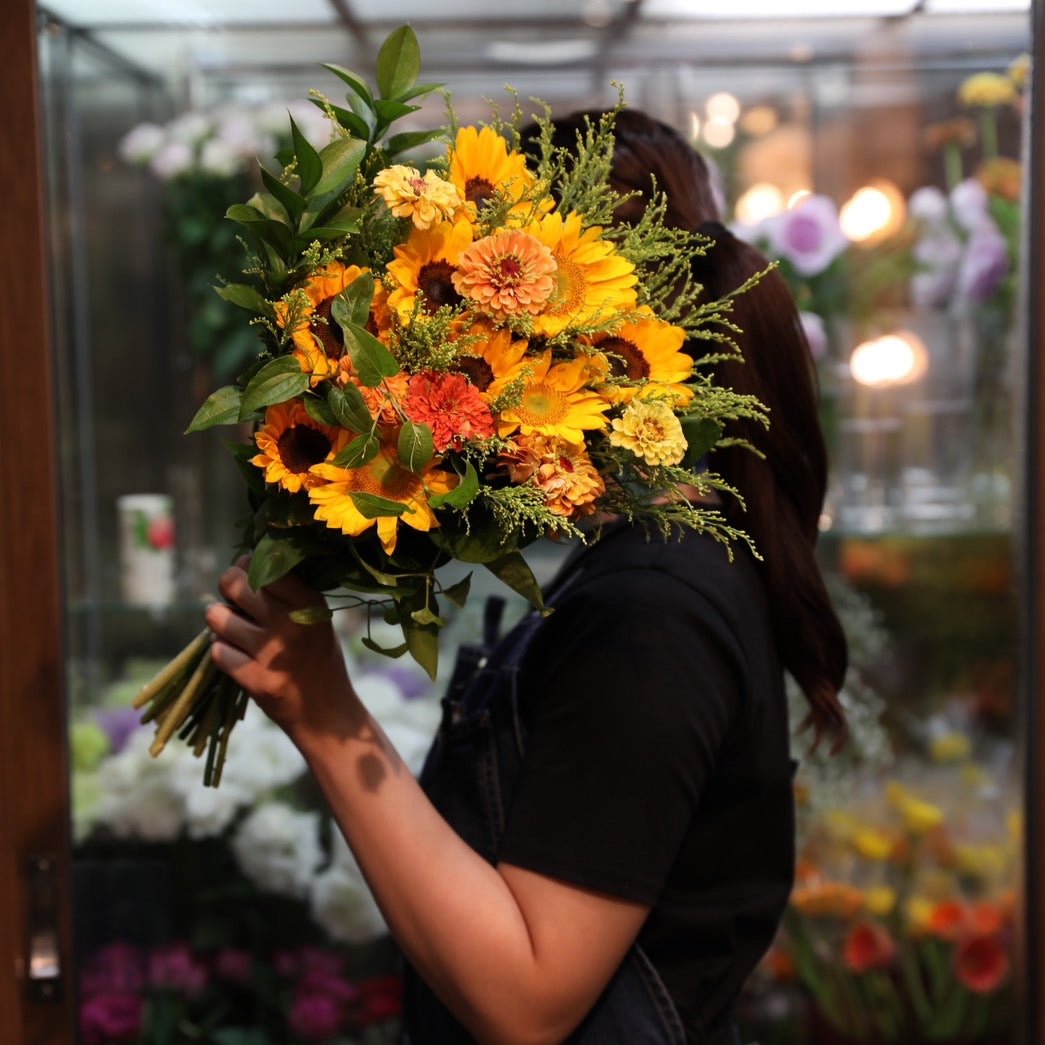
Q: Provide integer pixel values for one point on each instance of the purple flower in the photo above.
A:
(116, 969)
(969, 201)
(234, 965)
(117, 724)
(932, 288)
(985, 265)
(108, 1018)
(412, 684)
(176, 968)
(315, 1017)
(808, 236)
(929, 205)
(816, 335)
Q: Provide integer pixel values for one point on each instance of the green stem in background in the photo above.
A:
(952, 164)
(989, 132)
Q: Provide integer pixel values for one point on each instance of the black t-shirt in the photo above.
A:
(657, 766)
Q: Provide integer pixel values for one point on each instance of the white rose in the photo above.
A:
(219, 157)
(341, 901)
(409, 724)
(189, 128)
(172, 159)
(261, 757)
(141, 143)
(278, 849)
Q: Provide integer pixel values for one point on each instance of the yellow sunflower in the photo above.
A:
(481, 166)
(290, 443)
(491, 361)
(593, 282)
(385, 477)
(648, 352)
(318, 341)
(425, 264)
(555, 402)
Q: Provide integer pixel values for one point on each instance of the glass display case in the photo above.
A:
(879, 159)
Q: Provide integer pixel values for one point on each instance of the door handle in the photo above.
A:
(43, 938)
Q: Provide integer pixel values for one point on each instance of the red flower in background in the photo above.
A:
(981, 964)
(380, 1000)
(949, 920)
(868, 946)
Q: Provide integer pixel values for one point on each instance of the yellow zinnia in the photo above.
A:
(651, 432)
(425, 265)
(318, 341)
(384, 477)
(985, 90)
(426, 199)
(482, 166)
(593, 283)
(555, 402)
(649, 353)
(291, 442)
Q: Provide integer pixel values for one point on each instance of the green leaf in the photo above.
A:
(357, 83)
(480, 546)
(514, 570)
(219, 408)
(398, 62)
(389, 111)
(273, 232)
(252, 475)
(319, 410)
(309, 166)
(341, 159)
(411, 140)
(462, 494)
(292, 202)
(370, 506)
(417, 90)
(352, 305)
(325, 233)
(270, 207)
(701, 435)
(311, 615)
(458, 593)
(276, 382)
(349, 120)
(386, 580)
(426, 616)
(362, 450)
(274, 557)
(242, 296)
(385, 651)
(415, 446)
(422, 640)
(371, 361)
(349, 408)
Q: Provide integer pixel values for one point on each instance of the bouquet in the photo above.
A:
(457, 360)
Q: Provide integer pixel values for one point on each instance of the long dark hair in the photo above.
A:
(784, 491)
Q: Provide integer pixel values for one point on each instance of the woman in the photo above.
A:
(601, 844)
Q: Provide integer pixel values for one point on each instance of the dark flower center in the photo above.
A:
(434, 281)
(477, 370)
(301, 446)
(479, 191)
(328, 333)
(625, 358)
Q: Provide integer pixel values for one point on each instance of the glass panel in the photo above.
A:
(849, 157)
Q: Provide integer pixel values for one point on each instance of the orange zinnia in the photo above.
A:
(506, 274)
(452, 408)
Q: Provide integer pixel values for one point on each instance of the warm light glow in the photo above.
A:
(873, 212)
(718, 135)
(761, 201)
(723, 108)
(796, 197)
(759, 121)
(893, 359)
(694, 125)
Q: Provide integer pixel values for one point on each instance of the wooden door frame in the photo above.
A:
(34, 792)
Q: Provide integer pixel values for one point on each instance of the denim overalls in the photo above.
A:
(470, 775)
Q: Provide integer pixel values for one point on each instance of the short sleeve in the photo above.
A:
(629, 691)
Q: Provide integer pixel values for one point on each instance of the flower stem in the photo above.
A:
(176, 667)
(952, 163)
(183, 705)
(989, 132)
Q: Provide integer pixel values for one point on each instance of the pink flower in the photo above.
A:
(315, 1016)
(176, 968)
(809, 235)
(109, 1018)
(816, 334)
(234, 965)
(116, 969)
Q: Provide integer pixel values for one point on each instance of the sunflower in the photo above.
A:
(593, 282)
(291, 442)
(649, 353)
(482, 167)
(384, 477)
(425, 264)
(318, 341)
(555, 402)
(492, 360)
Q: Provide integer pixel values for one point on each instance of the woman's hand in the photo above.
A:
(295, 672)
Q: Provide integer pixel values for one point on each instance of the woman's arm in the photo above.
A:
(516, 956)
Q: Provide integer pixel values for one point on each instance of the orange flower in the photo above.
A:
(822, 899)
(506, 274)
(981, 964)
(986, 918)
(562, 470)
(948, 920)
(452, 407)
(381, 401)
(779, 965)
(290, 442)
(868, 946)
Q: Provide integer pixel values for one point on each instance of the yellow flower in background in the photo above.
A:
(980, 861)
(648, 350)
(872, 844)
(491, 361)
(1014, 826)
(879, 900)
(562, 471)
(950, 747)
(1019, 71)
(506, 274)
(318, 341)
(593, 283)
(426, 199)
(482, 166)
(918, 816)
(424, 265)
(290, 442)
(384, 477)
(650, 430)
(986, 90)
(555, 402)
(918, 913)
